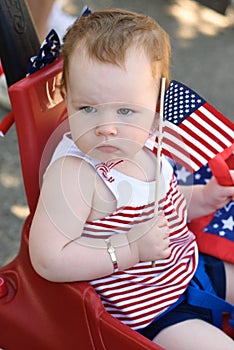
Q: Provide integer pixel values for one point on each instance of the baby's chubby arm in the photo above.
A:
(57, 250)
(204, 199)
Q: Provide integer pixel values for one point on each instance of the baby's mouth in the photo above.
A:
(107, 148)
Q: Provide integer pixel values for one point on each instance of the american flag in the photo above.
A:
(194, 131)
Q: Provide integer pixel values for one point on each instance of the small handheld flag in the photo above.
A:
(194, 131)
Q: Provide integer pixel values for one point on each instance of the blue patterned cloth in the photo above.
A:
(222, 223)
(50, 48)
(49, 51)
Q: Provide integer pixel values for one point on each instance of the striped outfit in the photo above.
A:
(139, 294)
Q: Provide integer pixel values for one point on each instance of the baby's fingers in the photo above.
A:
(161, 220)
(166, 250)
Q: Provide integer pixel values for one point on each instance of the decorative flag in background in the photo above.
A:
(194, 132)
(214, 233)
(50, 48)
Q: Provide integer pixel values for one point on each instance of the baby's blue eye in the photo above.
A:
(88, 109)
(125, 111)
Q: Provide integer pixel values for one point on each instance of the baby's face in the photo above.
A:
(111, 109)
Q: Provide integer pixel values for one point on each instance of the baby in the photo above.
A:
(95, 216)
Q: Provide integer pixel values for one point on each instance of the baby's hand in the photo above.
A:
(154, 242)
(217, 196)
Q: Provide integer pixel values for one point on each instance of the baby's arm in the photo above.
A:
(204, 199)
(57, 250)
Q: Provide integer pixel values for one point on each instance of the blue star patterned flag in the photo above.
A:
(194, 131)
(217, 236)
(222, 223)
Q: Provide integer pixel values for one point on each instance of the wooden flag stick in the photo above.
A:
(159, 149)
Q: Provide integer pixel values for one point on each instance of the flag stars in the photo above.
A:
(197, 176)
(182, 174)
(222, 233)
(180, 102)
(228, 223)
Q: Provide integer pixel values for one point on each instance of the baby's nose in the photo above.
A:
(106, 129)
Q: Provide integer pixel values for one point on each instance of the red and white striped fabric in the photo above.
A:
(137, 295)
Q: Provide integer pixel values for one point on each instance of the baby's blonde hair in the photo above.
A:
(107, 35)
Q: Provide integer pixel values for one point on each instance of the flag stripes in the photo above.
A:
(194, 131)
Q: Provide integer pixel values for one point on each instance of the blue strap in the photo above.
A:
(217, 305)
(201, 280)
(201, 293)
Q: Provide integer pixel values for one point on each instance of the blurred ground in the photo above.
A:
(202, 57)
